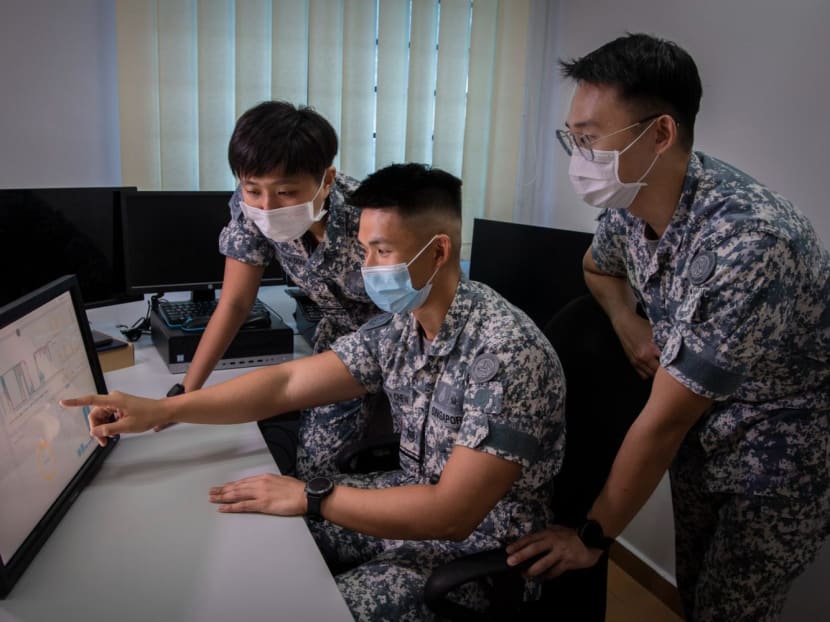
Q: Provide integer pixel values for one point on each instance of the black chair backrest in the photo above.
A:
(538, 269)
(604, 396)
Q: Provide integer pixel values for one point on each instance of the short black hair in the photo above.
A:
(651, 73)
(277, 134)
(412, 188)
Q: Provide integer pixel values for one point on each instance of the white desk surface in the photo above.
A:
(142, 541)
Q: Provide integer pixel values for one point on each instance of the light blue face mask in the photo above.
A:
(390, 287)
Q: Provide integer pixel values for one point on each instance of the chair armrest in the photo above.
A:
(508, 584)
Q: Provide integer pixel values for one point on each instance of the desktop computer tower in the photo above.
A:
(251, 346)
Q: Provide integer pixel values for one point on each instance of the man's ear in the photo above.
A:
(328, 182)
(443, 248)
(667, 132)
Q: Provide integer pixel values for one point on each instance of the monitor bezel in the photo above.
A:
(11, 570)
(201, 287)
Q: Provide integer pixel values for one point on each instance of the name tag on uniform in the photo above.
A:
(447, 404)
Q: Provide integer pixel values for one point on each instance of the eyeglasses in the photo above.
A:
(580, 142)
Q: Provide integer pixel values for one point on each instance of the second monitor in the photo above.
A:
(171, 242)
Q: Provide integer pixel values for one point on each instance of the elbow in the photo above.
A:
(459, 535)
(458, 529)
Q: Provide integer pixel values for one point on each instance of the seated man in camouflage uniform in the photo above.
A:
(736, 286)
(477, 389)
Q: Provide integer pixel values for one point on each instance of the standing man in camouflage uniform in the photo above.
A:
(736, 287)
(290, 207)
(477, 388)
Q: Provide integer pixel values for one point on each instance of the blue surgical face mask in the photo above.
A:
(390, 287)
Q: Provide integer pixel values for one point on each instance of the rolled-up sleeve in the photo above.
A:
(735, 317)
(608, 245)
(357, 352)
(510, 415)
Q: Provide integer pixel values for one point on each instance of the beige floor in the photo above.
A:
(628, 601)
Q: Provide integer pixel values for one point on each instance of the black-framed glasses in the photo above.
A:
(581, 143)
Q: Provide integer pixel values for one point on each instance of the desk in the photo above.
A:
(142, 542)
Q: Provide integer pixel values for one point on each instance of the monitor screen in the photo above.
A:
(538, 269)
(171, 241)
(46, 233)
(46, 452)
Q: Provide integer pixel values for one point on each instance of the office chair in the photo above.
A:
(377, 450)
(604, 396)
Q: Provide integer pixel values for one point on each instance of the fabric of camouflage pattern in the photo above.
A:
(740, 552)
(331, 277)
(737, 291)
(489, 381)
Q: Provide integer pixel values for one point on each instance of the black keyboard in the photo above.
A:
(309, 308)
(194, 315)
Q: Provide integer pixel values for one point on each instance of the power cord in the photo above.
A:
(142, 325)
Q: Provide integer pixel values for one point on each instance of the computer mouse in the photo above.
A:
(258, 320)
(196, 322)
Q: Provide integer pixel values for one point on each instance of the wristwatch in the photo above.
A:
(176, 389)
(592, 535)
(317, 489)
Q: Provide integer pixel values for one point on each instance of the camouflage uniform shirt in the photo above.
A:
(737, 291)
(489, 381)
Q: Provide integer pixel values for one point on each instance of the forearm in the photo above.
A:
(250, 397)
(647, 451)
(470, 486)
(634, 476)
(612, 293)
(415, 512)
(295, 385)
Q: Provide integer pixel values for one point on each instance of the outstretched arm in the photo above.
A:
(307, 382)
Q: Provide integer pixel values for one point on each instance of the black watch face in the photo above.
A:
(591, 534)
(319, 486)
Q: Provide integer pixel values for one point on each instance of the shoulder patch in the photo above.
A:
(484, 367)
(702, 267)
(377, 321)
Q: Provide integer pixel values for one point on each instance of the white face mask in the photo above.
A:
(598, 182)
(285, 223)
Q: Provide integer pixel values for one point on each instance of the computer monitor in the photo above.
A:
(171, 242)
(538, 269)
(49, 232)
(46, 453)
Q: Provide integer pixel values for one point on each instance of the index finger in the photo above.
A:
(86, 400)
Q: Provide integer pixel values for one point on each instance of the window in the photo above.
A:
(433, 81)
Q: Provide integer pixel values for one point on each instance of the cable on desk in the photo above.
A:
(142, 325)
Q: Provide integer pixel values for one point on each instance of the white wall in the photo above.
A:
(59, 107)
(763, 64)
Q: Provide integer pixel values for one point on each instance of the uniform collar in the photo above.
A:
(457, 315)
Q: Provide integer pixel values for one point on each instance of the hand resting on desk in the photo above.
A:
(266, 493)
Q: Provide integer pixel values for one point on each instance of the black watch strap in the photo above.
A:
(317, 489)
(314, 503)
(176, 389)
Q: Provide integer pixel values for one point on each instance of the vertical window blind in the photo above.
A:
(433, 81)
